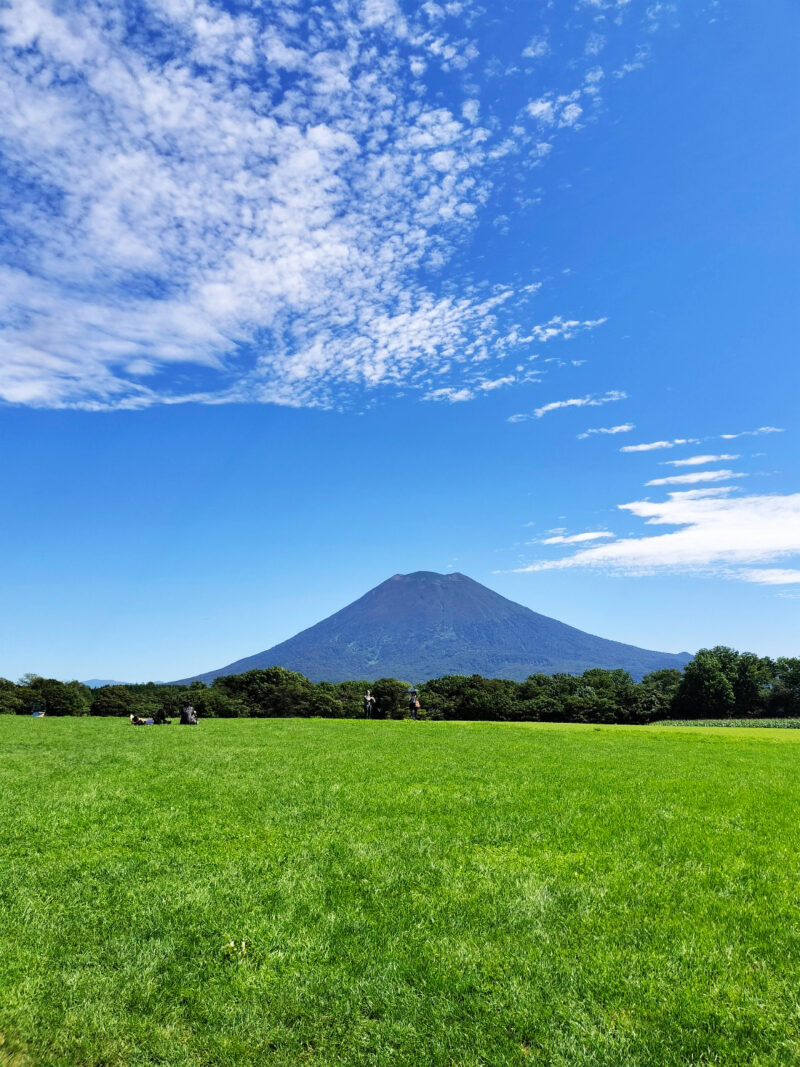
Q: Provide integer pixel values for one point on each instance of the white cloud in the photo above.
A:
(698, 461)
(262, 216)
(570, 115)
(750, 433)
(454, 396)
(717, 531)
(653, 446)
(561, 110)
(574, 539)
(624, 427)
(697, 476)
(595, 44)
(772, 576)
(496, 383)
(257, 204)
(591, 401)
(536, 48)
(470, 110)
(542, 110)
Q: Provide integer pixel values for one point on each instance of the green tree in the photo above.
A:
(112, 700)
(215, 703)
(325, 705)
(270, 693)
(538, 699)
(784, 698)
(706, 691)
(10, 701)
(656, 693)
(391, 698)
(58, 698)
(752, 685)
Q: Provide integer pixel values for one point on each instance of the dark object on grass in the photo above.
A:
(137, 720)
(188, 716)
(369, 704)
(413, 702)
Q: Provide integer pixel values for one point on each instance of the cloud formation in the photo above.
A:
(697, 476)
(624, 427)
(699, 461)
(751, 433)
(717, 532)
(217, 205)
(575, 539)
(590, 401)
(772, 576)
(654, 446)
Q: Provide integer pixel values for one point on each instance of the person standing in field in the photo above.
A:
(413, 703)
(369, 704)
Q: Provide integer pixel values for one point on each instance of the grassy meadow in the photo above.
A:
(346, 892)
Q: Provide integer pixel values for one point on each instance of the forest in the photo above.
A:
(719, 683)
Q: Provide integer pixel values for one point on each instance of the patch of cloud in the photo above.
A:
(591, 401)
(696, 477)
(654, 446)
(699, 461)
(452, 395)
(630, 66)
(772, 576)
(556, 110)
(750, 433)
(497, 383)
(717, 531)
(624, 427)
(536, 48)
(595, 44)
(574, 539)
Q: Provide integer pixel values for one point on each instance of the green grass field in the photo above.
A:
(344, 892)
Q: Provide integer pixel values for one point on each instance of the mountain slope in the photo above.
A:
(424, 625)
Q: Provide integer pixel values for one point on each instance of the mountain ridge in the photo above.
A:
(424, 625)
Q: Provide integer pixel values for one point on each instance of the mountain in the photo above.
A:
(98, 683)
(423, 625)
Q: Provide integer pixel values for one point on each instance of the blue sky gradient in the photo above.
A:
(289, 304)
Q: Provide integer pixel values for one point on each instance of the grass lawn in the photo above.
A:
(342, 892)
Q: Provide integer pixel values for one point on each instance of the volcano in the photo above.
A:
(424, 625)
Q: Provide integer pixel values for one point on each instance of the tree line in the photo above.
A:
(719, 683)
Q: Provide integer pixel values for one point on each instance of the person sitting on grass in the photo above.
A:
(189, 716)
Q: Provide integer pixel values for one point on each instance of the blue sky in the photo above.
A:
(293, 299)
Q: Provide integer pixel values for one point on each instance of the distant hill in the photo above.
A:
(98, 683)
(424, 625)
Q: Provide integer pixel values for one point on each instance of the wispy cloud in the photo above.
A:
(654, 446)
(750, 433)
(536, 48)
(772, 576)
(697, 476)
(717, 532)
(256, 204)
(698, 461)
(624, 427)
(590, 401)
(575, 539)
(449, 393)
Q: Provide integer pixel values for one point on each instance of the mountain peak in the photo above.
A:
(425, 624)
(424, 576)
